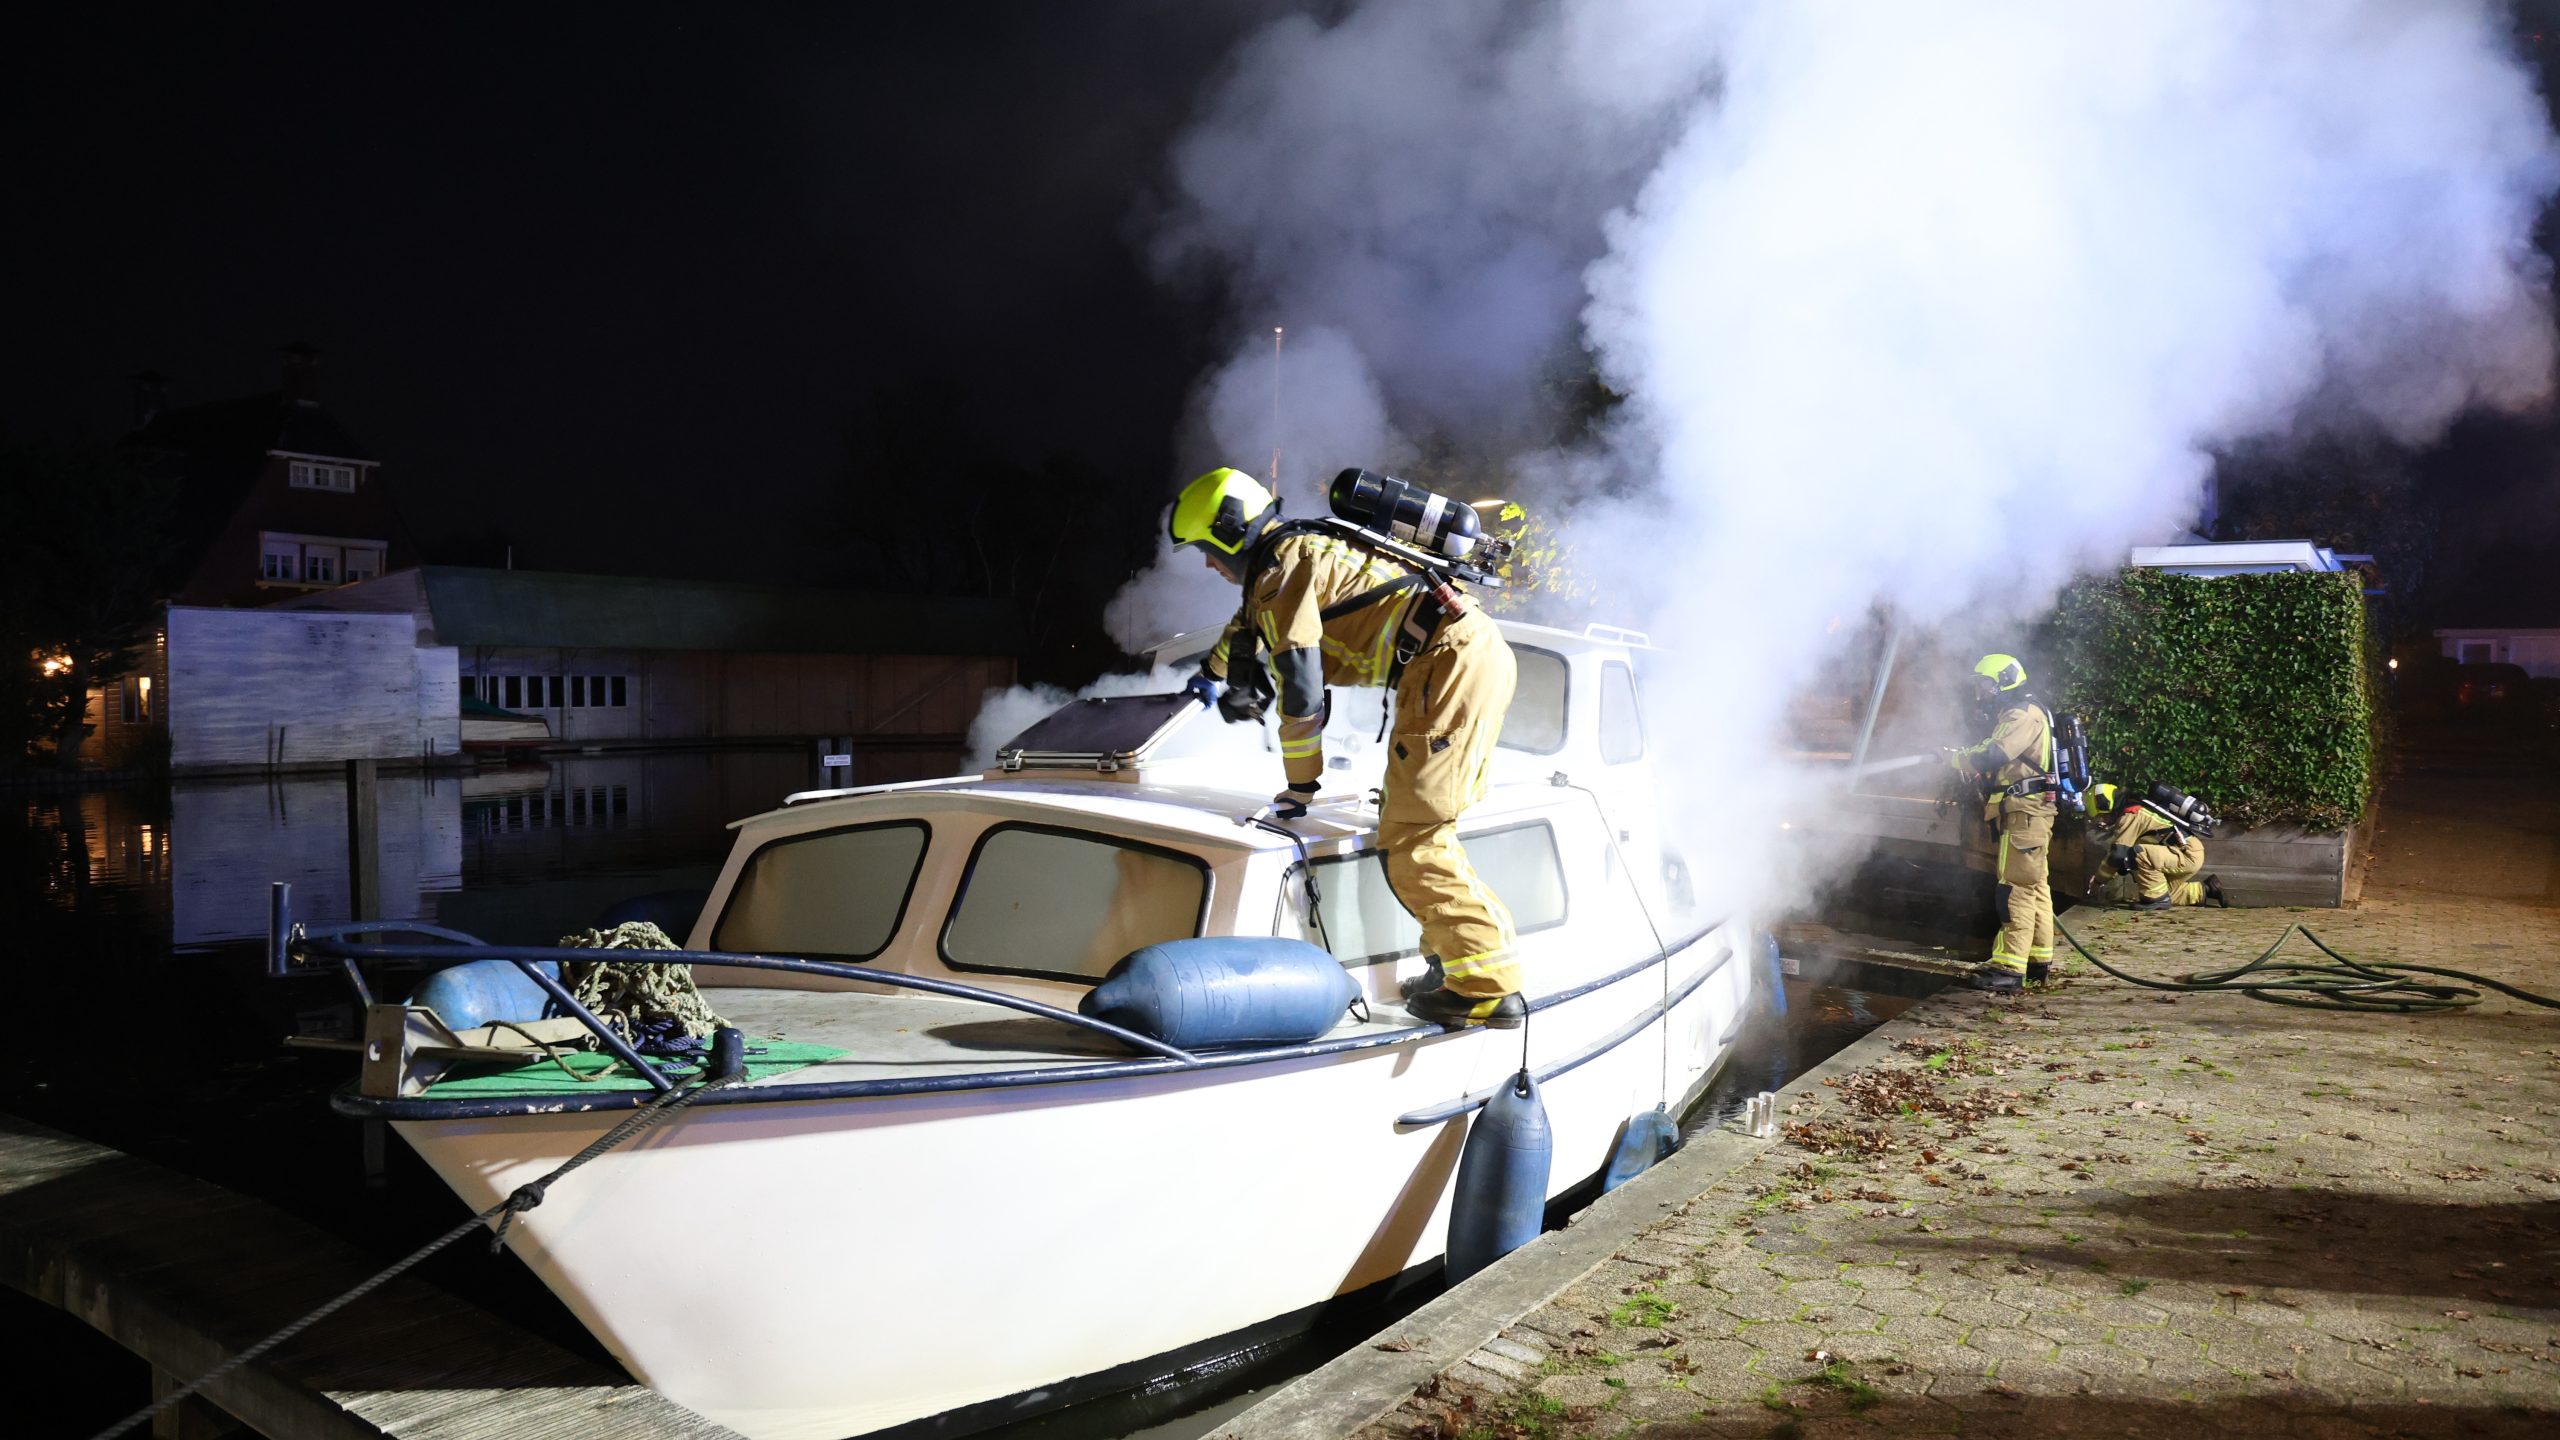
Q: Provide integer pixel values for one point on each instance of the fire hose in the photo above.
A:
(2339, 983)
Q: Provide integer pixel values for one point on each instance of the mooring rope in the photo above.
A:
(2363, 986)
(524, 1197)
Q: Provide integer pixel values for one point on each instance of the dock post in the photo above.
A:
(364, 853)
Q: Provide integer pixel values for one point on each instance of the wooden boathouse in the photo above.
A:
(616, 660)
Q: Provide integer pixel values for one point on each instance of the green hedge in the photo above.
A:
(2253, 691)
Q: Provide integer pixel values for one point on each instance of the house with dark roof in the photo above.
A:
(275, 497)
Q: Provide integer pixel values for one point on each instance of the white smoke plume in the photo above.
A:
(1333, 417)
(1932, 305)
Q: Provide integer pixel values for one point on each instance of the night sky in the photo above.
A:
(620, 280)
(624, 282)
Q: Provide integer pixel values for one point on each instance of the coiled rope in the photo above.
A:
(2359, 986)
(524, 1197)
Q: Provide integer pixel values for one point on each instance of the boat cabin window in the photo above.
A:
(1621, 723)
(1067, 904)
(1535, 721)
(829, 895)
(1364, 921)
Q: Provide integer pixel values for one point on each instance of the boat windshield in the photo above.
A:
(1365, 922)
(1067, 904)
(827, 895)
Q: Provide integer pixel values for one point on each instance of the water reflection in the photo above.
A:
(1819, 1022)
(193, 861)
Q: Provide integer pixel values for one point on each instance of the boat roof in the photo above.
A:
(1189, 809)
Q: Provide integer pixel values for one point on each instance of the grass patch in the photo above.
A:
(1606, 1358)
(1838, 1376)
(1644, 1310)
(2132, 1288)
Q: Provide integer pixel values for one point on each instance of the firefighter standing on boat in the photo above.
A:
(1327, 609)
(2011, 767)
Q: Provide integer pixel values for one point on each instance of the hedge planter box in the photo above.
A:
(2289, 865)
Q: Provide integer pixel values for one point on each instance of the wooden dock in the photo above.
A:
(185, 1274)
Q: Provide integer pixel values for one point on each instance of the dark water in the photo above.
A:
(136, 919)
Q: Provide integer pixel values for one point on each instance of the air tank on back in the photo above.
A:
(1402, 510)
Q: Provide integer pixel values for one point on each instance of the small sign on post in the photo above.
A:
(831, 758)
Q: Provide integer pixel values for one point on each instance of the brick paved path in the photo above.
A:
(2106, 1211)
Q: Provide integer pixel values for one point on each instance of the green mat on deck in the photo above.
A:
(543, 1077)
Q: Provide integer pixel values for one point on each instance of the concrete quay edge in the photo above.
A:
(1339, 1398)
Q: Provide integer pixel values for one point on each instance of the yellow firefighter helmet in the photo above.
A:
(1218, 510)
(1999, 675)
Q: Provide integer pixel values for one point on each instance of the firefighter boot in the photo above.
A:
(2213, 892)
(1998, 979)
(2039, 971)
(1445, 1006)
(1429, 979)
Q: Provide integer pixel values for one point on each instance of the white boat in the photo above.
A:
(967, 1214)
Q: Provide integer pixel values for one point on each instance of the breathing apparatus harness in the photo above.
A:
(1434, 537)
(2066, 762)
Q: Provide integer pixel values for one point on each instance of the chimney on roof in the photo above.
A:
(301, 372)
(150, 396)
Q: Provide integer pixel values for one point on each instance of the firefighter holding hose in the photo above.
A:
(2011, 768)
(1326, 609)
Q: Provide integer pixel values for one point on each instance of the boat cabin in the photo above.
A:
(1038, 875)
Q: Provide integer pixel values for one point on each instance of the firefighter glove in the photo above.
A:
(2121, 859)
(1201, 688)
(1292, 803)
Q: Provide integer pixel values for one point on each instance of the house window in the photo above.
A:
(2477, 652)
(363, 565)
(279, 560)
(559, 691)
(317, 475)
(515, 692)
(617, 692)
(319, 567)
(578, 691)
(137, 699)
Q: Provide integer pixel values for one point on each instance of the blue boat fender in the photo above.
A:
(476, 992)
(1647, 1140)
(1225, 990)
(1500, 1202)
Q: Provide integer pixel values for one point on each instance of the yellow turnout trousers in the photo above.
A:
(2026, 837)
(2159, 870)
(1449, 707)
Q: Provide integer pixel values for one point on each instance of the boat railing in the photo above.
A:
(297, 947)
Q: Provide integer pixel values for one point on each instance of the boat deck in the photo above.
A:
(896, 1037)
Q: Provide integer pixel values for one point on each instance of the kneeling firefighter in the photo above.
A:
(1333, 609)
(2155, 849)
(2014, 769)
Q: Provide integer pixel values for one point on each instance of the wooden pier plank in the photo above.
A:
(184, 1273)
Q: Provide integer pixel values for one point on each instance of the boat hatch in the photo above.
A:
(1108, 736)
